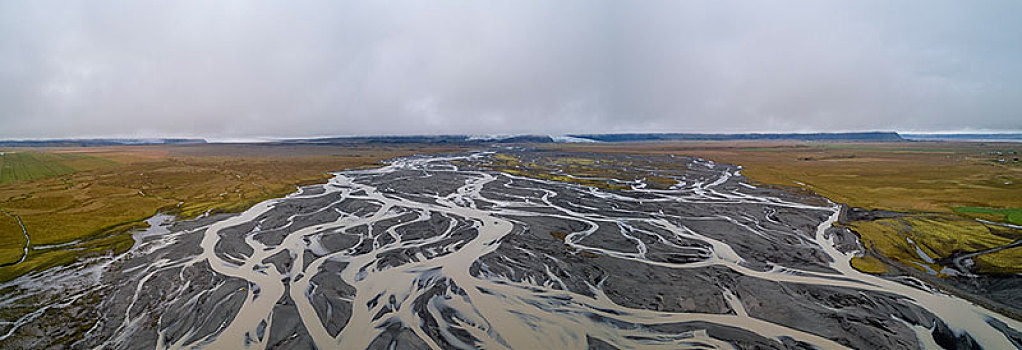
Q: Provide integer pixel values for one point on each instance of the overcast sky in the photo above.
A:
(237, 69)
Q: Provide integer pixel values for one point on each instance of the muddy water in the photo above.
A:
(435, 253)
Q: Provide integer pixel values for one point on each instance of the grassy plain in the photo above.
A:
(19, 166)
(88, 196)
(940, 183)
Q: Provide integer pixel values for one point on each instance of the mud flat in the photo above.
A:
(444, 252)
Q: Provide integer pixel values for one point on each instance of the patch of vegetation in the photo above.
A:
(660, 182)
(11, 245)
(549, 169)
(23, 166)
(921, 242)
(1004, 261)
(575, 161)
(569, 179)
(869, 264)
(1012, 215)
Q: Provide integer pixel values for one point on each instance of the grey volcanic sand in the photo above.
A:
(433, 253)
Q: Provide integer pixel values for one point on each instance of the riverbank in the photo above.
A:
(88, 212)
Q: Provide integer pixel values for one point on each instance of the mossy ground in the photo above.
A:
(904, 239)
(1012, 215)
(11, 245)
(869, 264)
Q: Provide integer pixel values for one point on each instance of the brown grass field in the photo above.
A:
(102, 192)
(927, 179)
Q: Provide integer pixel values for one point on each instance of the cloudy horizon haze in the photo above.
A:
(249, 69)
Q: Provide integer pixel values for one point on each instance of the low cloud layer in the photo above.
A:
(225, 69)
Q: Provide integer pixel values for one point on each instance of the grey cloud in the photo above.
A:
(263, 68)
